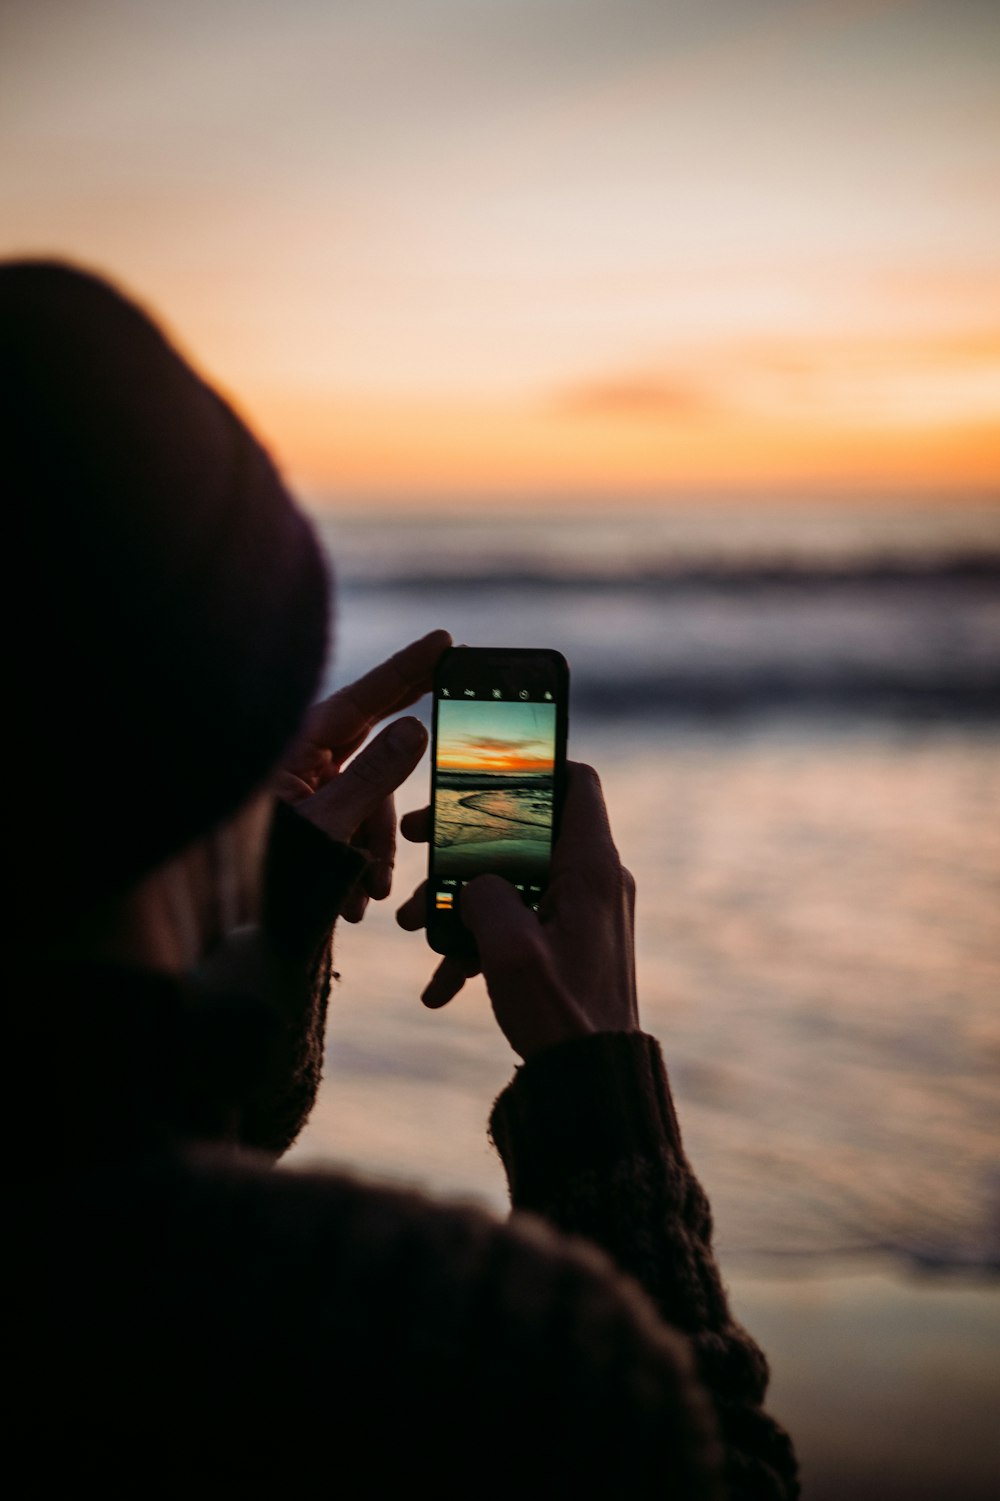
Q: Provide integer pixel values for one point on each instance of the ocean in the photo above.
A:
(795, 712)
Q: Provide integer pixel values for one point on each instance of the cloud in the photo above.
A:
(950, 376)
(639, 395)
(500, 746)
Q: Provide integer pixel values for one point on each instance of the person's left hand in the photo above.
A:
(354, 802)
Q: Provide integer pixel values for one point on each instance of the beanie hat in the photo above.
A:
(171, 601)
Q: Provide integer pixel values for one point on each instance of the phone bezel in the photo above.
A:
(447, 934)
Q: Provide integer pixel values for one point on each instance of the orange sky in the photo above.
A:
(487, 736)
(925, 426)
(482, 758)
(438, 251)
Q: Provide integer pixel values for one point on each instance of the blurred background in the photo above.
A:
(668, 335)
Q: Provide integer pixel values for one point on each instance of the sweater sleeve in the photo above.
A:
(589, 1139)
(308, 877)
(258, 1030)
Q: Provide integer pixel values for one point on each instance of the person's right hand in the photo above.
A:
(567, 970)
(354, 802)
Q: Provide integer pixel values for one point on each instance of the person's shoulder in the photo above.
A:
(391, 1267)
(379, 1220)
(462, 1328)
(311, 1211)
(418, 1334)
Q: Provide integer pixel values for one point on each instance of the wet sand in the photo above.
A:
(889, 1385)
(888, 1382)
(522, 859)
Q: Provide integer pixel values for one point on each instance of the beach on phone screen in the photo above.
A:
(494, 788)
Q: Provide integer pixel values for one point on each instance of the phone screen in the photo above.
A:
(498, 763)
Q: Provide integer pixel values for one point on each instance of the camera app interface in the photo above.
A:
(494, 777)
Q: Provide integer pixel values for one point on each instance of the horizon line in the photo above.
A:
(327, 500)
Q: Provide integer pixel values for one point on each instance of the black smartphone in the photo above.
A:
(498, 771)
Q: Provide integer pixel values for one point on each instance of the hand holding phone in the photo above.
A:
(352, 800)
(567, 971)
(497, 779)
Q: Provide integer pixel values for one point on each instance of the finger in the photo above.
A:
(416, 825)
(293, 786)
(533, 1008)
(355, 904)
(345, 803)
(378, 836)
(509, 937)
(446, 981)
(628, 888)
(628, 897)
(342, 720)
(412, 915)
(584, 840)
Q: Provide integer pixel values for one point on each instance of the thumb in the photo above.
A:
(508, 935)
(341, 807)
(531, 1006)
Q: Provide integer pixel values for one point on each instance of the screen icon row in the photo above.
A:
(522, 693)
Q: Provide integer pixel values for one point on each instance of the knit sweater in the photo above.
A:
(184, 1317)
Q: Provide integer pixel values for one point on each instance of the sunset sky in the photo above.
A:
(516, 248)
(505, 737)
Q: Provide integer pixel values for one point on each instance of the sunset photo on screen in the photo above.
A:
(494, 789)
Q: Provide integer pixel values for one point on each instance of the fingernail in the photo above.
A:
(407, 734)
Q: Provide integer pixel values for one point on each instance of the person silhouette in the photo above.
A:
(185, 827)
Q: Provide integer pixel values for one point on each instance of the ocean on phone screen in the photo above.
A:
(796, 717)
(495, 786)
(485, 827)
